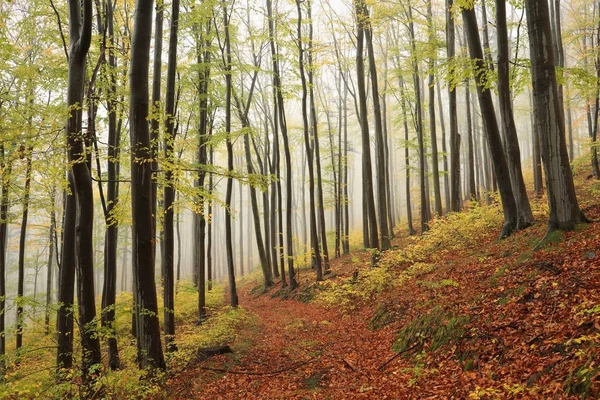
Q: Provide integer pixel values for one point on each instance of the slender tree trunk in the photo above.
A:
(6, 168)
(452, 113)
(471, 153)
(425, 211)
(22, 242)
(228, 89)
(49, 274)
(168, 259)
(549, 123)
(411, 229)
(150, 353)
(315, 141)
(368, 196)
(513, 152)
(382, 200)
(156, 110)
(491, 125)
(111, 234)
(444, 149)
(288, 161)
(432, 127)
(314, 236)
(80, 39)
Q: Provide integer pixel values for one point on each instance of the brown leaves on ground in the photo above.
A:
(533, 330)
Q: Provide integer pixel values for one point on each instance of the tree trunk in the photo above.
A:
(425, 211)
(432, 128)
(168, 260)
(549, 124)
(452, 113)
(80, 39)
(314, 236)
(368, 196)
(49, 274)
(6, 168)
(315, 141)
(513, 152)
(491, 125)
(112, 193)
(288, 161)
(411, 229)
(22, 242)
(382, 200)
(150, 353)
(228, 89)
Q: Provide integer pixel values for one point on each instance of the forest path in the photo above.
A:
(301, 351)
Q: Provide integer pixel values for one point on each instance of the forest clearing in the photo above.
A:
(328, 199)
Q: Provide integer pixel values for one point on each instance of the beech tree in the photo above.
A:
(549, 122)
(150, 352)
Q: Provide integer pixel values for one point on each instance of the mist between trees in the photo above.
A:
(143, 144)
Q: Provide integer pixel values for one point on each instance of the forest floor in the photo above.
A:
(455, 313)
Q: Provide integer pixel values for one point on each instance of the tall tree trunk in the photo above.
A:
(168, 263)
(6, 168)
(150, 353)
(470, 151)
(411, 229)
(425, 211)
(315, 140)
(156, 110)
(444, 150)
(513, 152)
(112, 199)
(228, 89)
(22, 243)
(288, 161)
(382, 200)
(368, 195)
(452, 113)
(549, 123)
(432, 128)
(314, 236)
(49, 269)
(80, 39)
(209, 234)
(486, 105)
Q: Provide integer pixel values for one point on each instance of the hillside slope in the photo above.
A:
(453, 314)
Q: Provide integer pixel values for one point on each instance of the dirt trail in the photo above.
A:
(303, 351)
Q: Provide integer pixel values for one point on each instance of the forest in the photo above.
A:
(326, 199)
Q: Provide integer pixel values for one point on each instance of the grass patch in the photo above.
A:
(436, 329)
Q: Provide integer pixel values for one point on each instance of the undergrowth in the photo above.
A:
(34, 375)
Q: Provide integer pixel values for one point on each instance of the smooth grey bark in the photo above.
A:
(369, 213)
(403, 107)
(431, 108)
(112, 200)
(233, 298)
(486, 106)
(289, 248)
(549, 123)
(168, 259)
(6, 168)
(22, 243)
(80, 33)
(380, 165)
(315, 140)
(511, 144)
(156, 107)
(452, 112)
(444, 148)
(150, 353)
(314, 235)
(425, 210)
